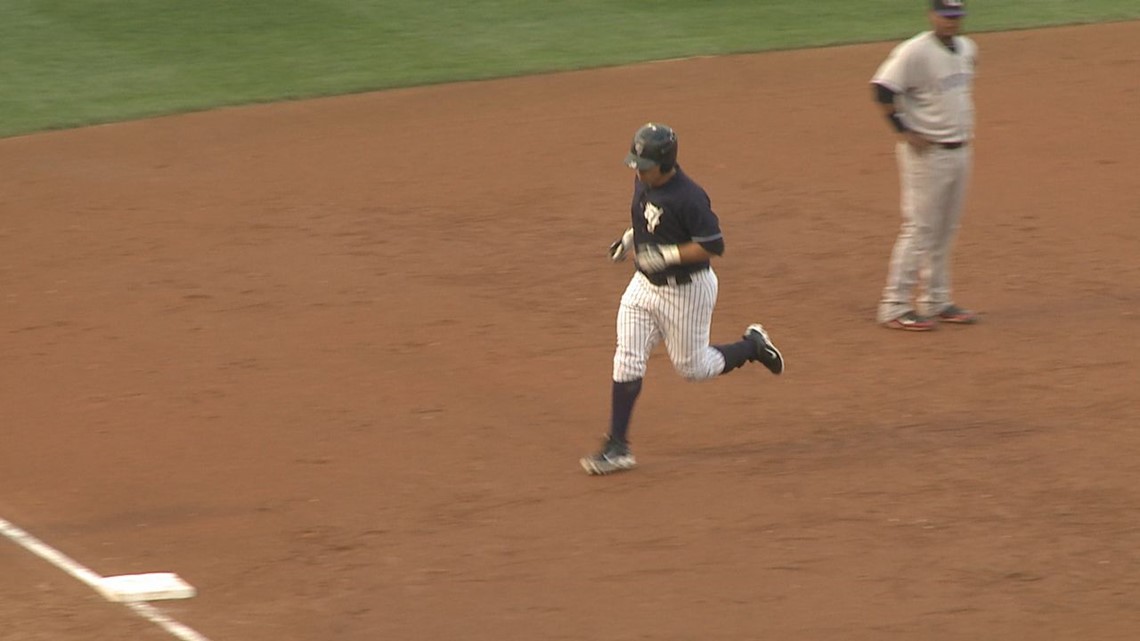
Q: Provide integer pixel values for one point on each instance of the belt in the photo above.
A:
(659, 280)
(952, 145)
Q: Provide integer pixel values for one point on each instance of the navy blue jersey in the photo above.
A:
(675, 213)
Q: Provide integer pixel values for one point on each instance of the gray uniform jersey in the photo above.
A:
(934, 85)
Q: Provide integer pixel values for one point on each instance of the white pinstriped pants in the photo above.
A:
(681, 315)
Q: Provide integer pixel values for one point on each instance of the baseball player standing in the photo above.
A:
(925, 89)
(674, 235)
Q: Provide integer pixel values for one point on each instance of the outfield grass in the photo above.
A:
(65, 63)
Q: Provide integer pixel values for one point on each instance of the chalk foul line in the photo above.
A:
(94, 581)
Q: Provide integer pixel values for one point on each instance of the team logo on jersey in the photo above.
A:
(954, 81)
(652, 215)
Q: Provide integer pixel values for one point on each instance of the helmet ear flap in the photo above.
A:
(669, 161)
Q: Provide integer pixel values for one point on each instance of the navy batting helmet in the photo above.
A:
(654, 144)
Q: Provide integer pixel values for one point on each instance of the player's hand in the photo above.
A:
(917, 141)
(654, 258)
(620, 247)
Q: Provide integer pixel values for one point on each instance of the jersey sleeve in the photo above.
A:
(971, 51)
(894, 73)
(703, 224)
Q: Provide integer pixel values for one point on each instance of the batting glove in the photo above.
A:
(654, 258)
(621, 246)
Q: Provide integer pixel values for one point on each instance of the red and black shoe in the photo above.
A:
(956, 315)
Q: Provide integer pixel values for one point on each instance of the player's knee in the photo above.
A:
(627, 374)
(628, 367)
(695, 371)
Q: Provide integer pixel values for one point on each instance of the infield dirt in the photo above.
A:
(334, 362)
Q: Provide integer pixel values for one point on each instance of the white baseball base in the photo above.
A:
(145, 587)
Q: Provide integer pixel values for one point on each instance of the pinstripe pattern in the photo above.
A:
(681, 315)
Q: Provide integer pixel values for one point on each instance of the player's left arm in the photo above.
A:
(699, 252)
(654, 258)
(704, 229)
(707, 241)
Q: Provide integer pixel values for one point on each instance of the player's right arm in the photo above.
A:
(892, 78)
(885, 97)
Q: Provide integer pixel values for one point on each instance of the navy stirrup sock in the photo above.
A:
(736, 354)
(624, 396)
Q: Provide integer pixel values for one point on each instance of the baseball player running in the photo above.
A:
(925, 89)
(673, 237)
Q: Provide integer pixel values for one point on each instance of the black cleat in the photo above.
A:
(614, 456)
(766, 352)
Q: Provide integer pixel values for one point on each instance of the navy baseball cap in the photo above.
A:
(949, 8)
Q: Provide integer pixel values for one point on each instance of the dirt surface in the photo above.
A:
(334, 362)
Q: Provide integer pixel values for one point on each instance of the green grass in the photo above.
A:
(65, 63)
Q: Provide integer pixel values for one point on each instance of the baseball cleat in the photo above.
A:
(956, 315)
(766, 352)
(615, 456)
(910, 321)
